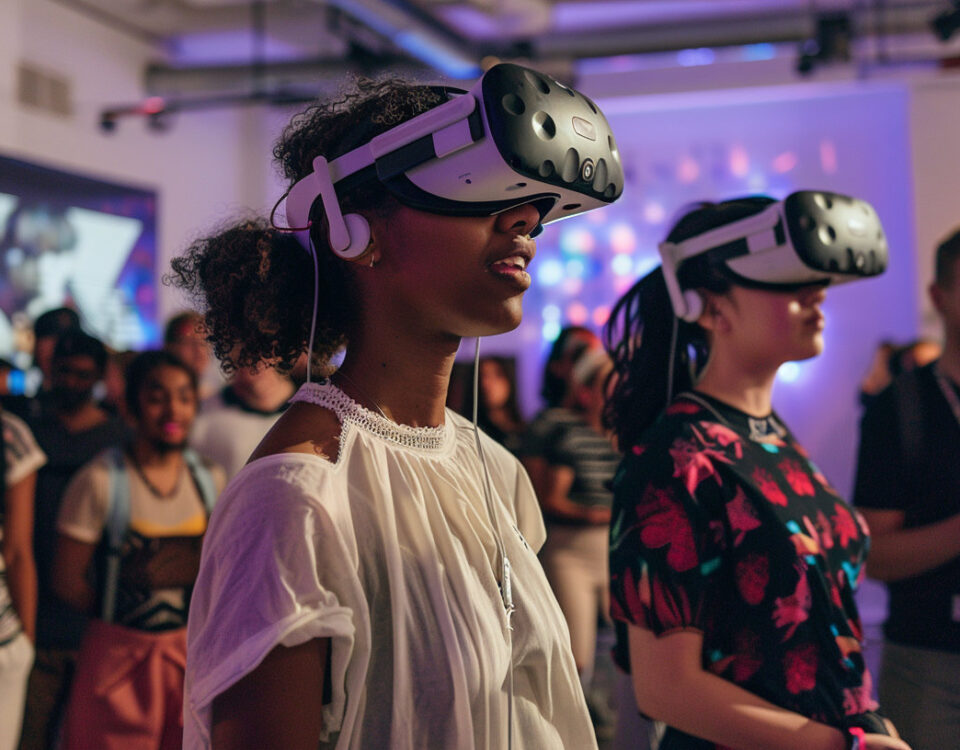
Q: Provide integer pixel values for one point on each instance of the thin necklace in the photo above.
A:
(150, 485)
(762, 429)
(363, 393)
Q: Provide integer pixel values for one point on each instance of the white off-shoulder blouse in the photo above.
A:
(389, 552)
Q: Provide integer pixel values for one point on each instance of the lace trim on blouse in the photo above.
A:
(348, 411)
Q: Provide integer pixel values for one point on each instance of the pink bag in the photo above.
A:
(128, 690)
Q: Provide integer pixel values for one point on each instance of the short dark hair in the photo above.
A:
(177, 325)
(140, 369)
(76, 343)
(56, 321)
(948, 252)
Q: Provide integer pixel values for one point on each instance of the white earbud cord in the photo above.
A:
(673, 356)
(316, 306)
(506, 589)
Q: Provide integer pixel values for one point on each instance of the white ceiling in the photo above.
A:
(493, 24)
(295, 43)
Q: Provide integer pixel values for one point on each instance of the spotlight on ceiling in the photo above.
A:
(946, 24)
(831, 44)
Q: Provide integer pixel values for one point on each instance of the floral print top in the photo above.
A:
(722, 524)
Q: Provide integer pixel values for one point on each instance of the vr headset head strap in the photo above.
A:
(747, 235)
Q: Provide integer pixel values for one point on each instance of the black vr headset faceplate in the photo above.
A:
(551, 133)
(811, 237)
(836, 234)
(556, 149)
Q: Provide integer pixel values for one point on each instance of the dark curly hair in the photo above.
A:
(639, 331)
(254, 284)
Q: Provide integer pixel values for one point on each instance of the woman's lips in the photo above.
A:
(514, 266)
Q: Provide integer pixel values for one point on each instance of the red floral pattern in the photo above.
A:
(800, 667)
(797, 478)
(749, 544)
(768, 486)
(743, 516)
(663, 523)
(753, 575)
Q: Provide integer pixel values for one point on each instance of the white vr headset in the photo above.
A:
(517, 137)
(810, 237)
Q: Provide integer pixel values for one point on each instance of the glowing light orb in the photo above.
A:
(785, 162)
(601, 315)
(622, 265)
(577, 313)
(828, 157)
(739, 162)
(654, 212)
(622, 238)
(550, 313)
(550, 272)
(575, 268)
(577, 241)
(688, 170)
(572, 287)
(550, 330)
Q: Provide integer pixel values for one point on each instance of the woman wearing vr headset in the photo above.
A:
(733, 561)
(352, 592)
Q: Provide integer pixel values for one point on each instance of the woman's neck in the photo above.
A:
(405, 377)
(146, 454)
(750, 391)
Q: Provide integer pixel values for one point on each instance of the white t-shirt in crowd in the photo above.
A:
(23, 457)
(227, 433)
(389, 552)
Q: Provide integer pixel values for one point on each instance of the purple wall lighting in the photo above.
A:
(850, 139)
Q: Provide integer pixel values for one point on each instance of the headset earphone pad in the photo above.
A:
(694, 305)
(357, 238)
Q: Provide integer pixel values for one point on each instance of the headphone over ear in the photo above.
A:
(693, 304)
(349, 235)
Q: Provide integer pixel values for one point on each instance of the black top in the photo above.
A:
(59, 625)
(910, 461)
(723, 525)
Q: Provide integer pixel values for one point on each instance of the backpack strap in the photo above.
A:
(115, 531)
(118, 515)
(202, 478)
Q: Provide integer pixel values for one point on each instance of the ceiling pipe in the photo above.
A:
(315, 76)
(410, 31)
(898, 18)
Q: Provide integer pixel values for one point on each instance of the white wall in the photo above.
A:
(203, 169)
(935, 159)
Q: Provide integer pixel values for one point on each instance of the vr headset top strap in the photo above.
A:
(810, 237)
(480, 153)
(748, 235)
(350, 234)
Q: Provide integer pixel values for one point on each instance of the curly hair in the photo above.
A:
(254, 284)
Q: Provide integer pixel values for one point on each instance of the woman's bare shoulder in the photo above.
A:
(303, 428)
